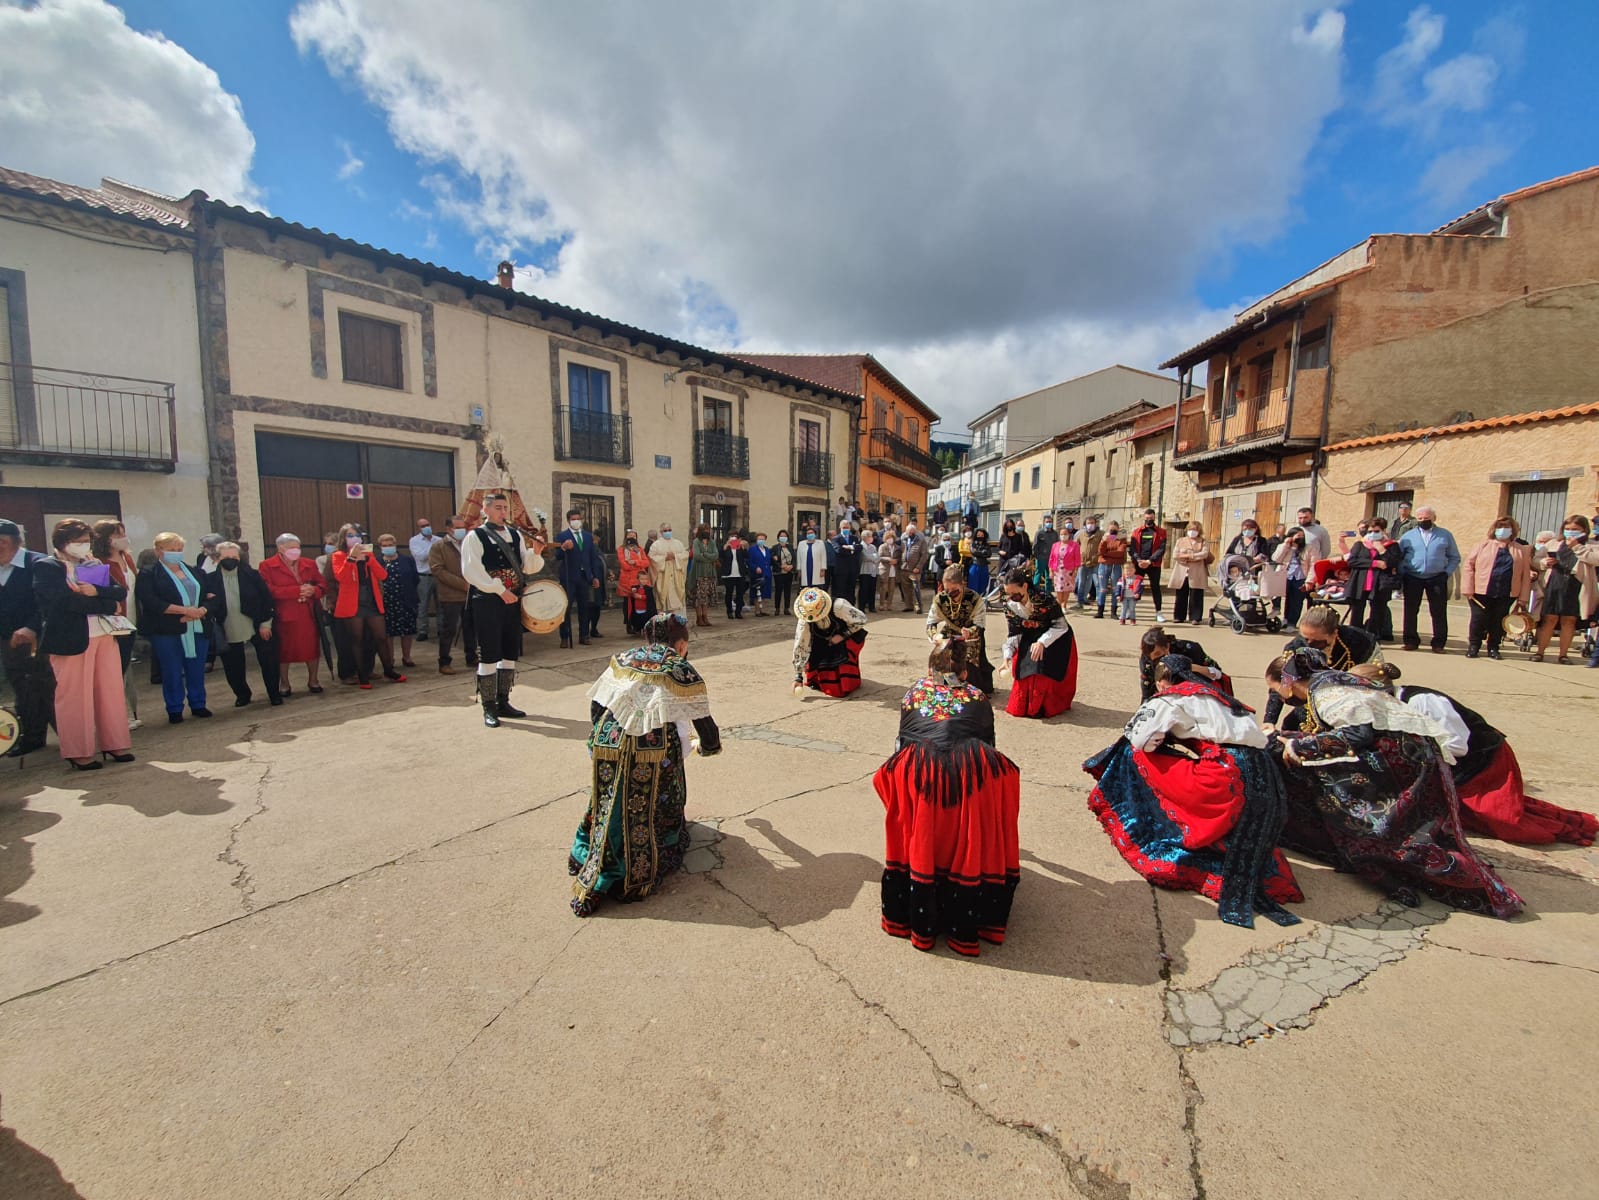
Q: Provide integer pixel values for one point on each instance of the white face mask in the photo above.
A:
(576, 525)
(78, 550)
(1193, 533)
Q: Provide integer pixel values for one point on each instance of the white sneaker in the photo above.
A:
(135, 724)
(1159, 618)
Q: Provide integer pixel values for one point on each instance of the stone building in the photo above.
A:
(893, 466)
(100, 391)
(1490, 315)
(344, 382)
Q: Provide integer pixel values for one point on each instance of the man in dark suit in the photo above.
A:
(844, 563)
(29, 671)
(582, 575)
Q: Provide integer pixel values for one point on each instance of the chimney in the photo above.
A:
(507, 274)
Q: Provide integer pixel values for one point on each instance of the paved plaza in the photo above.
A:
(324, 950)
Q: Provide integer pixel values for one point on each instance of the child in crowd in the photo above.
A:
(1128, 588)
(1243, 584)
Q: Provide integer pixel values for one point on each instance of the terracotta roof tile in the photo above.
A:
(1504, 422)
(106, 201)
(841, 372)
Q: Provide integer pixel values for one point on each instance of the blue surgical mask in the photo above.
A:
(810, 536)
(172, 556)
(1502, 534)
(427, 531)
(782, 541)
(391, 551)
(760, 541)
(328, 547)
(1572, 535)
(458, 533)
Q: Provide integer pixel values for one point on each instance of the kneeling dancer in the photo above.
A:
(951, 802)
(958, 612)
(1040, 652)
(827, 643)
(1191, 798)
(1369, 790)
(649, 710)
(497, 561)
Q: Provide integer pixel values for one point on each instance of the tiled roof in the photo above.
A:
(427, 271)
(1547, 185)
(1504, 422)
(841, 372)
(114, 203)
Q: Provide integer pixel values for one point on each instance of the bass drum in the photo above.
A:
(543, 607)
(8, 730)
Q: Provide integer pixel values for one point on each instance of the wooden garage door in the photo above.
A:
(310, 508)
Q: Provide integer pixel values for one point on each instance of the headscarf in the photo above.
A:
(1180, 671)
(663, 629)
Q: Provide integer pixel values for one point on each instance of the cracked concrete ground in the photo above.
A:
(324, 950)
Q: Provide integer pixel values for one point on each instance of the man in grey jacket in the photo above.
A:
(914, 551)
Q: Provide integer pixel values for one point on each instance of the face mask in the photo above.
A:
(1572, 535)
(427, 531)
(391, 551)
(1048, 525)
(352, 539)
(119, 543)
(172, 556)
(666, 533)
(1193, 533)
(290, 553)
(575, 525)
(1149, 522)
(760, 541)
(78, 550)
(1090, 527)
(328, 548)
(229, 564)
(1502, 534)
(1374, 537)
(457, 533)
(1426, 524)
(782, 541)
(632, 541)
(811, 536)
(1249, 535)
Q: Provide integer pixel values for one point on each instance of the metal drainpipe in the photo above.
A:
(1326, 409)
(1183, 375)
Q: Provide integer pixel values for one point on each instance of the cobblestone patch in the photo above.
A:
(1273, 990)
(760, 733)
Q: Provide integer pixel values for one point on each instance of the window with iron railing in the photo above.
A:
(811, 468)
(721, 453)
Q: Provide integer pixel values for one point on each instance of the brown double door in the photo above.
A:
(310, 508)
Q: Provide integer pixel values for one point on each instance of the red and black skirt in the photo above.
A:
(952, 849)
(835, 670)
(1044, 688)
(1494, 802)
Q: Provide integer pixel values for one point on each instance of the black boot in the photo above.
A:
(506, 679)
(488, 694)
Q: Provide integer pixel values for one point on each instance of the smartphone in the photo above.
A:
(1349, 533)
(366, 547)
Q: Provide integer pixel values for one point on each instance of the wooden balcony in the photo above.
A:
(1255, 427)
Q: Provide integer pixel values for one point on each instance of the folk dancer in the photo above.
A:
(497, 562)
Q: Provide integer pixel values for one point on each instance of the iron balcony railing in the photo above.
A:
(591, 436)
(718, 453)
(885, 449)
(986, 492)
(811, 469)
(985, 448)
(55, 416)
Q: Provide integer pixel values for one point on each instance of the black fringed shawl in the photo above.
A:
(946, 741)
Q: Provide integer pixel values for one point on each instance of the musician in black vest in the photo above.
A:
(497, 563)
(28, 670)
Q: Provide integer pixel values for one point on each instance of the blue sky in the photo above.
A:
(989, 206)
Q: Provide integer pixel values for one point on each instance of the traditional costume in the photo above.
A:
(669, 560)
(1350, 648)
(649, 709)
(1044, 688)
(1369, 791)
(951, 803)
(1493, 800)
(496, 560)
(1192, 800)
(834, 669)
(949, 618)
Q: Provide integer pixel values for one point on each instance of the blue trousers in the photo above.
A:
(179, 673)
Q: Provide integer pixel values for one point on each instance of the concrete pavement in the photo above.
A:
(324, 950)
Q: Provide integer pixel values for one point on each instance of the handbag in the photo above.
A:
(114, 624)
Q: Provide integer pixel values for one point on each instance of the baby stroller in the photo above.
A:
(1328, 582)
(1241, 605)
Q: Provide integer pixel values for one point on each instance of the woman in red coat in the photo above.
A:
(360, 606)
(297, 588)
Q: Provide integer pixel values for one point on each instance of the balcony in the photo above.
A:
(719, 453)
(1254, 427)
(984, 449)
(890, 452)
(59, 418)
(602, 437)
(811, 469)
(988, 493)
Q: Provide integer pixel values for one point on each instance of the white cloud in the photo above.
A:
(850, 177)
(83, 96)
(352, 164)
(1450, 177)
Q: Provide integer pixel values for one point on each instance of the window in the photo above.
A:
(879, 415)
(718, 416)
(599, 518)
(371, 351)
(1015, 481)
(810, 436)
(1088, 473)
(1069, 467)
(1146, 485)
(915, 431)
(899, 424)
(588, 389)
(1262, 368)
(1038, 473)
(1110, 466)
(594, 433)
(1313, 349)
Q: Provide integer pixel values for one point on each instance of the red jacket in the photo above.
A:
(346, 573)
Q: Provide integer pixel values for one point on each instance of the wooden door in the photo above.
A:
(337, 508)
(1210, 519)
(1268, 511)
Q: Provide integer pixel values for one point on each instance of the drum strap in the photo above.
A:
(508, 549)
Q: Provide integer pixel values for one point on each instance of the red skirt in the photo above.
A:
(295, 629)
(950, 869)
(1494, 803)
(837, 679)
(1037, 695)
